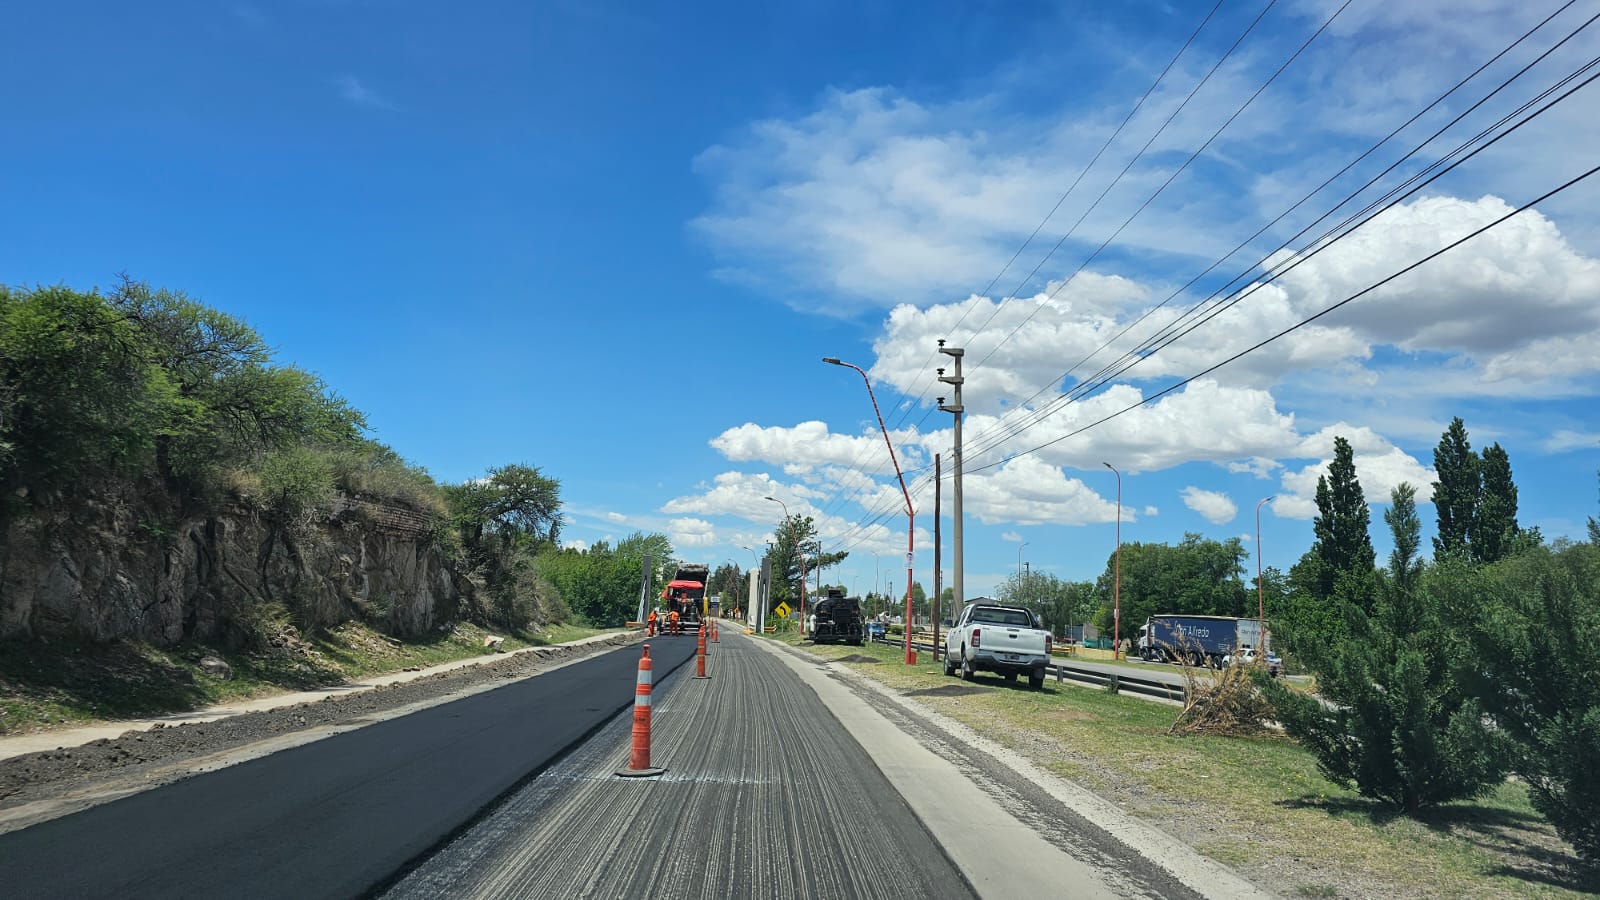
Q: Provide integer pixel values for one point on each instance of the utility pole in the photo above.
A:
(958, 582)
(938, 560)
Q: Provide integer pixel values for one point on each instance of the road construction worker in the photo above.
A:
(673, 625)
(650, 624)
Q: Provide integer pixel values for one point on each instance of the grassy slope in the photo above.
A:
(53, 684)
(1259, 805)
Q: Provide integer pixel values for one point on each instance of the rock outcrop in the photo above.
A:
(128, 567)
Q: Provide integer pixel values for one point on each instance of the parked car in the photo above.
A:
(1248, 656)
(989, 637)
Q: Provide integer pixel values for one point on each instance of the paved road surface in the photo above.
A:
(765, 795)
(331, 819)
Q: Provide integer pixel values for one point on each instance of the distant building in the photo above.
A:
(1078, 634)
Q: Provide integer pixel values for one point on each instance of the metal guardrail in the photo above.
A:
(1125, 684)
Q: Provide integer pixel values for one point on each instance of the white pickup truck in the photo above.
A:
(988, 637)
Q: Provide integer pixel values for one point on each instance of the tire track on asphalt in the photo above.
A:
(765, 795)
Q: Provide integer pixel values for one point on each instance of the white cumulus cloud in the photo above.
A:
(1214, 506)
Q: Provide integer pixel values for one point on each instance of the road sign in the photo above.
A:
(782, 610)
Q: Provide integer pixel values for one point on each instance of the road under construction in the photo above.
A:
(779, 775)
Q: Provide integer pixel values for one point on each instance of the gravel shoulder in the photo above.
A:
(46, 784)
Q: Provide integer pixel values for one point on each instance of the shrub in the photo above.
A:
(296, 485)
(1532, 624)
(1397, 724)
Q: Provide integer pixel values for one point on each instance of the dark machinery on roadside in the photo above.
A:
(836, 619)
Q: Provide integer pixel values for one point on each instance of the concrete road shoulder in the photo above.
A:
(999, 853)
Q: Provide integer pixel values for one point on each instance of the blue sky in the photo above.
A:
(614, 241)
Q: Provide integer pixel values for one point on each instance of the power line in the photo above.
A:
(1323, 241)
(905, 413)
(1139, 155)
(1144, 348)
(1135, 160)
(1348, 166)
(1302, 323)
(1166, 338)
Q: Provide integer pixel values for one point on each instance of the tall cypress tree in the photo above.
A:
(1495, 528)
(1455, 494)
(1343, 545)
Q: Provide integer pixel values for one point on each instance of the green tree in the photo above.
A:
(795, 551)
(728, 580)
(1338, 568)
(600, 584)
(1306, 621)
(1198, 576)
(1455, 494)
(1395, 723)
(1495, 532)
(227, 402)
(78, 397)
(144, 383)
(514, 501)
(1056, 602)
(1343, 545)
(1532, 624)
(506, 521)
(919, 599)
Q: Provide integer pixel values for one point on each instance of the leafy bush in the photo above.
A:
(296, 485)
(144, 383)
(369, 469)
(1396, 725)
(1532, 624)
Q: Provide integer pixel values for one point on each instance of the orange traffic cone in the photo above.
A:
(714, 638)
(700, 654)
(639, 760)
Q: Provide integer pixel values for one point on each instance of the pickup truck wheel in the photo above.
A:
(1036, 679)
(949, 664)
(967, 672)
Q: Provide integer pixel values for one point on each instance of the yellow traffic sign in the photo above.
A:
(782, 610)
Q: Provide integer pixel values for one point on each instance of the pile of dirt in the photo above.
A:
(856, 658)
(155, 757)
(949, 690)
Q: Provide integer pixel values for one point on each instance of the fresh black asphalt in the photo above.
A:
(335, 818)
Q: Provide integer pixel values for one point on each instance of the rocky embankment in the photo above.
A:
(132, 566)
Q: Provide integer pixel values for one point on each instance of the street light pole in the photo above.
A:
(1019, 568)
(1116, 589)
(794, 538)
(911, 530)
(1261, 601)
